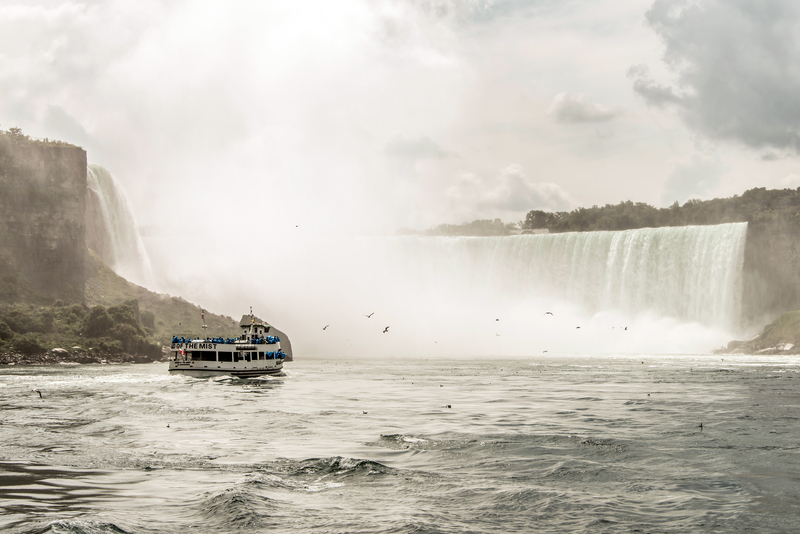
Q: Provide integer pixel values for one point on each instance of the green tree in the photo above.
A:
(27, 344)
(97, 322)
(5, 331)
(539, 219)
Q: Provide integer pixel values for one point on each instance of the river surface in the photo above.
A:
(546, 444)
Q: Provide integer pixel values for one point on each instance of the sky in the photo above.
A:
(259, 142)
(365, 116)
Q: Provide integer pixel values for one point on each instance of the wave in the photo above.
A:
(73, 526)
(237, 507)
(340, 467)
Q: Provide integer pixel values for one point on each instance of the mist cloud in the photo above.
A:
(414, 149)
(735, 64)
(568, 107)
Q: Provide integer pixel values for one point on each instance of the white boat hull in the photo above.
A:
(241, 359)
(207, 372)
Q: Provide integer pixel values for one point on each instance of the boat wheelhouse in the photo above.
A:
(254, 353)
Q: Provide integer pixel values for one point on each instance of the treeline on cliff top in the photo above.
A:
(16, 135)
(753, 206)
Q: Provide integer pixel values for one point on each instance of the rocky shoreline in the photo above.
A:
(781, 336)
(76, 355)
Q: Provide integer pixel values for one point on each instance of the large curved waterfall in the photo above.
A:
(111, 229)
(654, 290)
(692, 273)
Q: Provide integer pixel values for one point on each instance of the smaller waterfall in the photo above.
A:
(111, 230)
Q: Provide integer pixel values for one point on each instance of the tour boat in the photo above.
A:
(254, 353)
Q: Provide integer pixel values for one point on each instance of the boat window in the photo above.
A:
(226, 356)
(260, 355)
(205, 355)
(236, 357)
(247, 356)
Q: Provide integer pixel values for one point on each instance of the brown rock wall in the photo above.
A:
(42, 220)
(771, 276)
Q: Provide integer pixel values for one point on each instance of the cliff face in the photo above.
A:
(42, 220)
(771, 276)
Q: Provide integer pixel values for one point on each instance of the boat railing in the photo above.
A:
(266, 340)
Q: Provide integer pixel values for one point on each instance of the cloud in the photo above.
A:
(735, 68)
(693, 177)
(568, 107)
(420, 148)
(509, 193)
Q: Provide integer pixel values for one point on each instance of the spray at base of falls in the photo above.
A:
(111, 229)
(660, 290)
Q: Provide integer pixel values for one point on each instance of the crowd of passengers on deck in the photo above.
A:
(264, 340)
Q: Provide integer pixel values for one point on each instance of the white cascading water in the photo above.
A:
(659, 290)
(111, 229)
(691, 273)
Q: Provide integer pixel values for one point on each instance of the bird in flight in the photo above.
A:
(548, 313)
(370, 315)
(39, 392)
(326, 326)
(385, 329)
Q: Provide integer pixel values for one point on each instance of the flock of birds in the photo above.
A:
(368, 316)
(385, 330)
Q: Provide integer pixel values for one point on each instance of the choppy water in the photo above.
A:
(559, 444)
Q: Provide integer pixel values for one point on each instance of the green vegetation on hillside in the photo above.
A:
(119, 321)
(173, 316)
(113, 331)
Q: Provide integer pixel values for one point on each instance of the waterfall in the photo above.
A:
(111, 229)
(653, 290)
(691, 273)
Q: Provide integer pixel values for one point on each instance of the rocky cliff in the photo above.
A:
(771, 276)
(42, 224)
